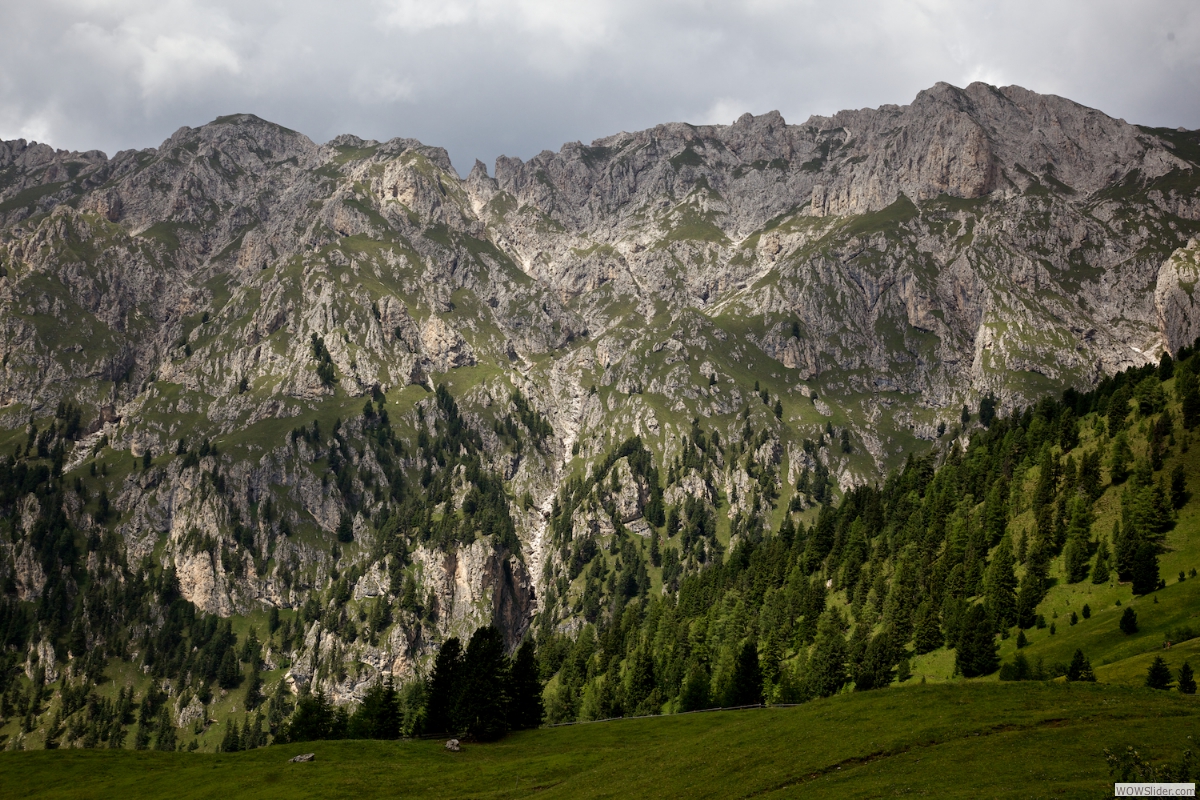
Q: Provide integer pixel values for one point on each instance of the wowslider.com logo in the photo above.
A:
(1155, 789)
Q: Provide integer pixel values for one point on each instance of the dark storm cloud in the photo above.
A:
(490, 77)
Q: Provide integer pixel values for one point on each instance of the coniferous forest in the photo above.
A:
(814, 595)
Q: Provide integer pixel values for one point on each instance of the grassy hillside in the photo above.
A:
(949, 740)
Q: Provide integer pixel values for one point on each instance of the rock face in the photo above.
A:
(859, 277)
(1174, 296)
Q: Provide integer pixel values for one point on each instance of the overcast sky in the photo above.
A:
(489, 77)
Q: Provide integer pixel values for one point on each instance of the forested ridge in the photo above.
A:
(803, 594)
(955, 550)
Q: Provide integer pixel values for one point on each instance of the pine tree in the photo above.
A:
(1187, 681)
(875, 671)
(1158, 676)
(483, 702)
(1145, 569)
(1124, 548)
(253, 687)
(1188, 388)
(693, 693)
(1122, 455)
(1080, 669)
(1129, 622)
(228, 674)
(1179, 493)
(1000, 585)
(444, 687)
(977, 650)
(1079, 534)
(747, 685)
(524, 689)
(345, 528)
(827, 666)
(313, 719)
(165, 735)
(928, 636)
(1101, 569)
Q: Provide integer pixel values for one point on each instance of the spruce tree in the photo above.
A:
(827, 666)
(693, 693)
(345, 528)
(483, 704)
(1158, 676)
(444, 687)
(1101, 569)
(747, 684)
(1145, 569)
(1124, 548)
(1000, 586)
(165, 735)
(1079, 534)
(1080, 668)
(875, 671)
(313, 719)
(524, 689)
(928, 636)
(977, 649)
(1188, 388)
(1129, 622)
(1187, 681)
(228, 674)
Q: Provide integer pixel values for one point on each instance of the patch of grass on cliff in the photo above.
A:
(29, 197)
(1041, 739)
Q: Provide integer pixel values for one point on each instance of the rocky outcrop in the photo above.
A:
(1174, 297)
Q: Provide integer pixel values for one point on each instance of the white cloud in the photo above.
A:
(485, 77)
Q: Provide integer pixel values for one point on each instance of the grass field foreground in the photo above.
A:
(946, 740)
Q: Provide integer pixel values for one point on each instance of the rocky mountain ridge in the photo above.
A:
(869, 274)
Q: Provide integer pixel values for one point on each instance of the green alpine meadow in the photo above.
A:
(852, 457)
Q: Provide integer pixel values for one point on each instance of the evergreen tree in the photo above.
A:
(928, 636)
(827, 666)
(228, 674)
(1080, 669)
(1188, 388)
(1124, 548)
(1079, 533)
(444, 687)
(1145, 569)
(977, 649)
(1158, 676)
(1033, 587)
(1121, 457)
(165, 735)
(345, 528)
(524, 689)
(875, 671)
(1000, 586)
(1101, 569)
(693, 693)
(253, 687)
(747, 685)
(1129, 621)
(483, 704)
(1118, 408)
(1187, 681)
(1179, 493)
(378, 716)
(313, 720)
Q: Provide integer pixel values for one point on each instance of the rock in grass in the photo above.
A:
(453, 746)
(300, 759)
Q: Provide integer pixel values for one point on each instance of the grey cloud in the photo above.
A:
(489, 77)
